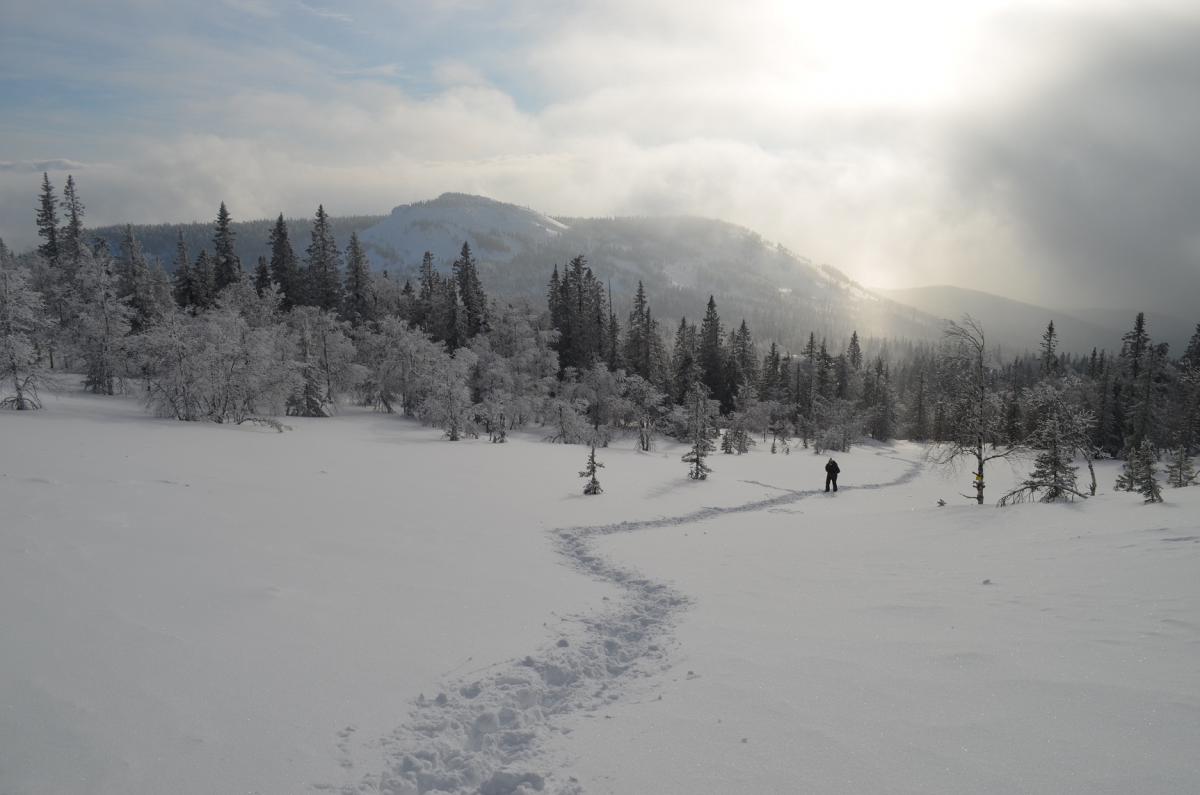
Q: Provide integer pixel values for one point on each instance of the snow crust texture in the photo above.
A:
(486, 735)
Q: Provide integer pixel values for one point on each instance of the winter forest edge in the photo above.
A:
(293, 334)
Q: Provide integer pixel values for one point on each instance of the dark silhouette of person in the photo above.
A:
(831, 473)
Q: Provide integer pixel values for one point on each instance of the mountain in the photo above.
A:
(497, 232)
(1019, 326)
(680, 260)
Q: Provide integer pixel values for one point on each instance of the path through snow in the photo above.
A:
(486, 734)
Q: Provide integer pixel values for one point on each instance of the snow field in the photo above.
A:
(877, 643)
(357, 606)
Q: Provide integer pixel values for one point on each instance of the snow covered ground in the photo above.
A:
(357, 606)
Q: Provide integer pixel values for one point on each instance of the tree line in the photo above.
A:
(297, 334)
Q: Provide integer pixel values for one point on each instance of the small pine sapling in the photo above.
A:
(593, 485)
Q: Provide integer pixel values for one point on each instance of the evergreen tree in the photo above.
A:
(593, 485)
(262, 277)
(700, 415)
(359, 307)
(637, 334)
(1191, 354)
(470, 292)
(134, 285)
(918, 420)
(227, 268)
(1062, 431)
(580, 316)
(323, 271)
(854, 351)
(712, 356)
(1134, 345)
(1049, 357)
(1180, 471)
(285, 271)
(203, 293)
(185, 287)
(428, 292)
(47, 224)
(71, 244)
(685, 366)
(613, 355)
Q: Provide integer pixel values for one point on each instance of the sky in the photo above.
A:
(1044, 150)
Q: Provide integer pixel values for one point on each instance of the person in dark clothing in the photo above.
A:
(831, 473)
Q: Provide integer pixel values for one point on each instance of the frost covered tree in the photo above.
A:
(645, 404)
(1180, 470)
(216, 367)
(593, 484)
(448, 405)
(101, 324)
(976, 422)
(20, 320)
(701, 414)
(325, 355)
(400, 362)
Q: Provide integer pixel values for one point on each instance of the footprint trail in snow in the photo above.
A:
(486, 734)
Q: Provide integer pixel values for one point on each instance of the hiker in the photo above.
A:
(831, 473)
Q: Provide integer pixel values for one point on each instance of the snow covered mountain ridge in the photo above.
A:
(681, 260)
(496, 231)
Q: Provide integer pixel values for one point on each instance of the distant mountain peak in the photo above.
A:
(497, 231)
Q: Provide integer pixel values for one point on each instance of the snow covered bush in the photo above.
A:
(215, 367)
(20, 312)
(448, 404)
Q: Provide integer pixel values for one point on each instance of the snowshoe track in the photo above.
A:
(485, 735)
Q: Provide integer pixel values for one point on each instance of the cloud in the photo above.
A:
(325, 13)
(1038, 149)
(39, 166)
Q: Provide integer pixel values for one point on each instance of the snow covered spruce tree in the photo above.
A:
(1061, 431)
(20, 320)
(1180, 470)
(975, 424)
(1139, 473)
(701, 413)
(593, 485)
